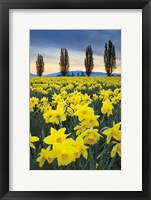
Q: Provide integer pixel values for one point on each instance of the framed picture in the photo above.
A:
(75, 99)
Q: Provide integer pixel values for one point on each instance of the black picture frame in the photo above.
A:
(5, 5)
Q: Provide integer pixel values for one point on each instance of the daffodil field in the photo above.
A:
(75, 123)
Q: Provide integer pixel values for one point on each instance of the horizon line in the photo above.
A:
(77, 71)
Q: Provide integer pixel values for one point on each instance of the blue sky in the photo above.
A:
(49, 42)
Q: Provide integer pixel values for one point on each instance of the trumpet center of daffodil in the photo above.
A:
(91, 121)
(59, 140)
(64, 157)
(91, 141)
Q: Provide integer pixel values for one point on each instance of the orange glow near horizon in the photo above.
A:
(54, 67)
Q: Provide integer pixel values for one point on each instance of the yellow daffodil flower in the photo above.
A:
(47, 116)
(65, 152)
(83, 111)
(82, 149)
(95, 97)
(107, 107)
(116, 149)
(80, 128)
(33, 101)
(91, 136)
(91, 121)
(33, 139)
(114, 132)
(45, 155)
(56, 136)
(57, 116)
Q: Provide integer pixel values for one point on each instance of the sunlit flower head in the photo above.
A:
(114, 132)
(56, 136)
(45, 155)
(91, 136)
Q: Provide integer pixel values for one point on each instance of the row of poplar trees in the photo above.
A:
(109, 60)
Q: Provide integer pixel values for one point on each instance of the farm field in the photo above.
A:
(75, 123)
